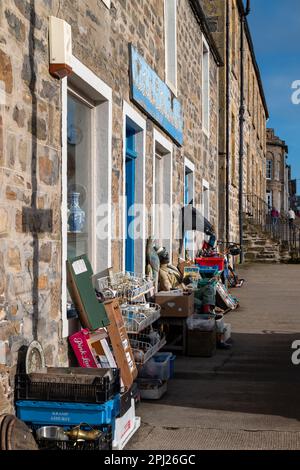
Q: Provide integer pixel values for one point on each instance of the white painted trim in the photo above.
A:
(173, 86)
(168, 146)
(204, 129)
(205, 183)
(190, 165)
(104, 92)
(89, 77)
(131, 113)
(107, 3)
(64, 206)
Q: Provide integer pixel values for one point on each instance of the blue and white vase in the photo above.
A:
(76, 217)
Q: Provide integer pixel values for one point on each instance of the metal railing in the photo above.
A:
(279, 228)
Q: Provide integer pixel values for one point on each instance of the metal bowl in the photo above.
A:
(52, 432)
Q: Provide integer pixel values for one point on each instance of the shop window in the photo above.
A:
(171, 44)
(86, 173)
(205, 87)
(162, 192)
(79, 138)
(269, 171)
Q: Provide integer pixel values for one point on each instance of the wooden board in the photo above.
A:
(19, 436)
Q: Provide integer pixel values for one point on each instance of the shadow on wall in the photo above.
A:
(34, 220)
(255, 376)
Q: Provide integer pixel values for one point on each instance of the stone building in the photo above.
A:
(242, 153)
(137, 117)
(277, 173)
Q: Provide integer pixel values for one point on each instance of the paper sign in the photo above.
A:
(79, 267)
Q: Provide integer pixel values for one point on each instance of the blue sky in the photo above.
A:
(275, 29)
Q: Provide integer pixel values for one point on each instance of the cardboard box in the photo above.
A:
(175, 305)
(120, 343)
(91, 349)
(201, 343)
(92, 314)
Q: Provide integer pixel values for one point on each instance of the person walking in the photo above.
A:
(292, 217)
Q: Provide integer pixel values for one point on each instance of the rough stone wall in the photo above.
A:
(255, 118)
(30, 147)
(276, 152)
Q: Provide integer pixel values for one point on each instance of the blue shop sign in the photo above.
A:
(154, 97)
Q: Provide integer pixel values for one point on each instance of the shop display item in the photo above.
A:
(158, 367)
(224, 299)
(125, 427)
(91, 348)
(72, 384)
(76, 219)
(92, 314)
(139, 316)
(176, 303)
(144, 346)
(45, 413)
(201, 322)
(201, 343)
(152, 389)
(120, 343)
(125, 286)
(15, 434)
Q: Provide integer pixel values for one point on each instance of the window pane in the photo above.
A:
(79, 158)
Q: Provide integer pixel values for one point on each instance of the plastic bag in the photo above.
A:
(201, 322)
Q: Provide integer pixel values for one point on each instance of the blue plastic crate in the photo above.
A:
(66, 414)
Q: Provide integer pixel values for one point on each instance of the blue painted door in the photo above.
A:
(131, 156)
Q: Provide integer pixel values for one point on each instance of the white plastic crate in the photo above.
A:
(125, 428)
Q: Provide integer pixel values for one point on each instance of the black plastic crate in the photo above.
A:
(104, 442)
(100, 390)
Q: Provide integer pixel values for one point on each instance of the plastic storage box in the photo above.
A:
(68, 414)
(81, 386)
(158, 367)
(152, 389)
(211, 261)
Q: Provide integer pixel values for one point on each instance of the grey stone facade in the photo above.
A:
(278, 177)
(31, 142)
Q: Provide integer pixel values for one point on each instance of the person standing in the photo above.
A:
(274, 216)
(292, 217)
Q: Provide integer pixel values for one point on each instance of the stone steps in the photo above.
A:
(259, 247)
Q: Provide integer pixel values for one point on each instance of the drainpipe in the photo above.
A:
(227, 119)
(242, 120)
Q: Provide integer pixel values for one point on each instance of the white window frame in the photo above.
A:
(172, 86)
(107, 3)
(190, 165)
(205, 187)
(168, 147)
(131, 113)
(205, 88)
(99, 89)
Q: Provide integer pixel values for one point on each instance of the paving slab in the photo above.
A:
(243, 398)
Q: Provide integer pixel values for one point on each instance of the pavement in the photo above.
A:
(245, 398)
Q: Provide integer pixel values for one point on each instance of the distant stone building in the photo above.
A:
(277, 173)
(251, 113)
(137, 118)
